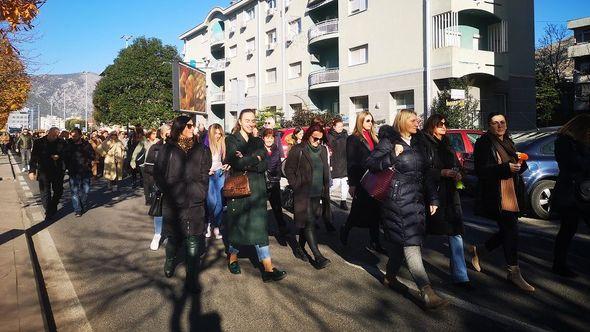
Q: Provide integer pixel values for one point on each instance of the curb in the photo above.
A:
(60, 304)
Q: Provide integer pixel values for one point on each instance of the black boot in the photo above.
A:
(192, 261)
(169, 264)
(320, 261)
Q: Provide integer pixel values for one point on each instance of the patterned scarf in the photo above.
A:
(185, 143)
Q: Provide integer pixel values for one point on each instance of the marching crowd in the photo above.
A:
(403, 180)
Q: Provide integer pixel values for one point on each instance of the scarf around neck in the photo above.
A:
(185, 143)
(505, 148)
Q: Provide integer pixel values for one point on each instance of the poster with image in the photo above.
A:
(190, 89)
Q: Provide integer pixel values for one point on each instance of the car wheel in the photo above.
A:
(540, 198)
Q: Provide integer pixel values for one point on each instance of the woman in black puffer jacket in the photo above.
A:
(182, 173)
(403, 213)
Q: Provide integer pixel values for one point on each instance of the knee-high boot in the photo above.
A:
(320, 261)
(192, 262)
(169, 264)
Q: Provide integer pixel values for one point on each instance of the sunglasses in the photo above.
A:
(190, 125)
(267, 122)
(441, 124)
(316, 139)
(498, 123)
(369, 121)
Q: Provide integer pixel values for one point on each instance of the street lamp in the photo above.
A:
(86, 102)
(126, 38)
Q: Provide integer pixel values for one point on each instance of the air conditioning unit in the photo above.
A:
(271, 46)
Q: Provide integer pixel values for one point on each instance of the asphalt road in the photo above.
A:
(121, 286)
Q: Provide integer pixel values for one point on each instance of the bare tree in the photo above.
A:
(552, 58)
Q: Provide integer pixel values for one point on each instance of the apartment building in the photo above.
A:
(19, 119)
(580, 52)
(345, 56)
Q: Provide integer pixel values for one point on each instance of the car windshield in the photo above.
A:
(523, 138)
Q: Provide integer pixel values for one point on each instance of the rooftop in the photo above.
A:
(579, 23)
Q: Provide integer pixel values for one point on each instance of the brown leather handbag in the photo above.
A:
(237, 186)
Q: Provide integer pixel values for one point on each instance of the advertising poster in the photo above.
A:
(189, 86)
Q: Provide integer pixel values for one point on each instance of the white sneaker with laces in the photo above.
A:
(155, 242)
(208, 234)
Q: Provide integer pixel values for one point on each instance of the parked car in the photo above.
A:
(462, 142)
(540, 178)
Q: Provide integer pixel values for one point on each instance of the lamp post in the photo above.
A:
(86, 102)
(126, 38)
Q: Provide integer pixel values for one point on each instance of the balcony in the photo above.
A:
(315, 4)
(217, 98)
(323, 31)
(579, 50)
(324, 78)
(458, 62)
(495, 7)
(217, 40)
(217, 65)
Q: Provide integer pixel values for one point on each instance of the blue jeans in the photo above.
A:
(262, 252)
(80, 186)
(158, 221)
(457, 264)
(215, 199)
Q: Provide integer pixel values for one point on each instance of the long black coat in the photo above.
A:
(403, 213)
(365, 211)
(573, 159)
(337, 144)
(298, 170)
(448, 218)
(79, 158)
(41, 160)
(489, 173)
(184, 181)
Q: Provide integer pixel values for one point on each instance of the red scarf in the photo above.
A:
(369, 139)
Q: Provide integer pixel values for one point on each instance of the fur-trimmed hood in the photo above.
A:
(388, 132)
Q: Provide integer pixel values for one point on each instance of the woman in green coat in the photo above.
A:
(246, 217)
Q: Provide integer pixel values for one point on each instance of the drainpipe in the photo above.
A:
(283, 57)
(261, 51)
(427, 56)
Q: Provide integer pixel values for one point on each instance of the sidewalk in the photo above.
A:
(19, 300)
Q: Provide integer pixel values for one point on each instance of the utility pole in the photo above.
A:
(283, 57)
(86, 103)
(64, 98)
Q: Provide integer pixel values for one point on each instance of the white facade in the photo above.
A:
(343, 56)
(19, 119)
(49, 121)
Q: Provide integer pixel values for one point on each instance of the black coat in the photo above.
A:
(41, 160)
(489, 173)
(184, 181)
(337, 144)
(298, 170)
(403, 213)
(273, 160)
(573, 159)
(448, 218)
(365, 211)
(79, 158)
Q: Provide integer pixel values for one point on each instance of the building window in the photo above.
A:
(251, 81)
(356, 6)
(358, 55)
(295, 27)
(271, 4)
(251, 45)
(271, 37)
(250, 14)
(271, 75)
(295, 70)
(233, 51)
(404, 100)
(296, 107)
(360, 103)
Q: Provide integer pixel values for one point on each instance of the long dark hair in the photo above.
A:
(433, 121)
(311, 130)
(178, 126)
(237, 127)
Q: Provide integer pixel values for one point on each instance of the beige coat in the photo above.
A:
(114, 156)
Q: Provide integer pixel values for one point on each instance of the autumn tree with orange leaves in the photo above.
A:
(15, 16)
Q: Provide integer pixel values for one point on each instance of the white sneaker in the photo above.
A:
(217, 233)
(155, 242)
(208, 234)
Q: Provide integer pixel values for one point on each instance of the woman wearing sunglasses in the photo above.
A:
(364, 211)
(182, 173)
(308, 173)
(448, 219)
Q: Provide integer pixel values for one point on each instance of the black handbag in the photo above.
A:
(288, 199)
(156, 195)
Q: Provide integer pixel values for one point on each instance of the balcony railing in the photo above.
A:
(314, 4)
(218, 65)
(217, 97)
(322, 29)
(327, 75)
(217, 38)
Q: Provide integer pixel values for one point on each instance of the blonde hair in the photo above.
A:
(401, 119)
(578, 129)
(358, 129)
(217, 147)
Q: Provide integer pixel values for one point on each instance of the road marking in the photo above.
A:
(465, 305)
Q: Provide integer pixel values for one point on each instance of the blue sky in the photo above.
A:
(74, 36)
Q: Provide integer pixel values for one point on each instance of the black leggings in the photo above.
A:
(307, 234)
(507, 237)
(569, 226)
(274, 197)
